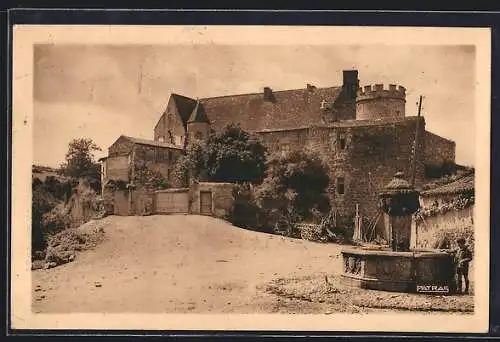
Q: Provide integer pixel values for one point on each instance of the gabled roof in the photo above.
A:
(185, 106)
(151, 142)
(461, 185)
(198, 114)
(288, 109)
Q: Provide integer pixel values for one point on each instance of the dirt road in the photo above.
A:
(179, 263)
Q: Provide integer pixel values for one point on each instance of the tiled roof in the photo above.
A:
(461, 185)
(198, 114)
(185, 106)
(287, 109)
(152, 143)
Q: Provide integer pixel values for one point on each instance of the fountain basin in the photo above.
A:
(424, 271)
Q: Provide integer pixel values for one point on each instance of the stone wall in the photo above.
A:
(170, 127)
(438, 150)
(222, 197)
(117, 168)
(156, 159)
(426, 230)
(142, 202)
(281, 141)
(121, 147)
(373, 155)
(364, 155)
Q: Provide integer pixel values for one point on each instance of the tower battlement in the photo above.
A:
(370, 92)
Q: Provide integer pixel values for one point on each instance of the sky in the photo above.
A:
(102, 92)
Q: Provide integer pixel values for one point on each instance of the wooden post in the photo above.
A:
(357, 235)
(415, 147)
(414, 161)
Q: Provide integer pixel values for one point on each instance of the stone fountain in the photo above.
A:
(397, 267)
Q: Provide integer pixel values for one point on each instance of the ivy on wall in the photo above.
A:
(458, 203)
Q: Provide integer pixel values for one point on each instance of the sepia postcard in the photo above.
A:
(277, 178)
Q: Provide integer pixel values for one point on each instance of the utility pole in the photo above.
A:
(415, 144)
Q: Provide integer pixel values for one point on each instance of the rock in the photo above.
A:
(71, 257)
(97, 284)
(50, 265)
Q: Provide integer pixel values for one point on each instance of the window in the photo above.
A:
(161, 139)
(198, 135)
(342, 141)
(285, 149)
(340, 185)
(171, 138)
(157, 155)
(178, 140)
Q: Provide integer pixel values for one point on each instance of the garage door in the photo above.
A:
(172, 202)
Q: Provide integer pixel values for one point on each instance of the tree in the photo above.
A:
(234, 155)
(81, 163)
(192, 164)
(231, 155)
(295, 186)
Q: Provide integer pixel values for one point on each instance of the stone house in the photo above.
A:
(362, 133)
(447, 207)
(133, 168)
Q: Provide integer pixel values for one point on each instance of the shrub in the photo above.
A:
(164, 184)
(339, 228)
(446, 238)
(55, 221)
(244, 212)
(42, 203)
(294, 188)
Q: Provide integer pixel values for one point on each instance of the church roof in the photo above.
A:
(198, 114)
(287, 109)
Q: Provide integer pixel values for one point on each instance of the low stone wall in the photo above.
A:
(218, 199)
(221, 194)
(425, 230)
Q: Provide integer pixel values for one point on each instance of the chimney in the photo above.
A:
(268, 94)
(350, 83)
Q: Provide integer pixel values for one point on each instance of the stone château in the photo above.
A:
(363, 134)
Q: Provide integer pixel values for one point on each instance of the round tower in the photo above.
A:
(375, 102)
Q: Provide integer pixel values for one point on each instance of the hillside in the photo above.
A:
(42, 172)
